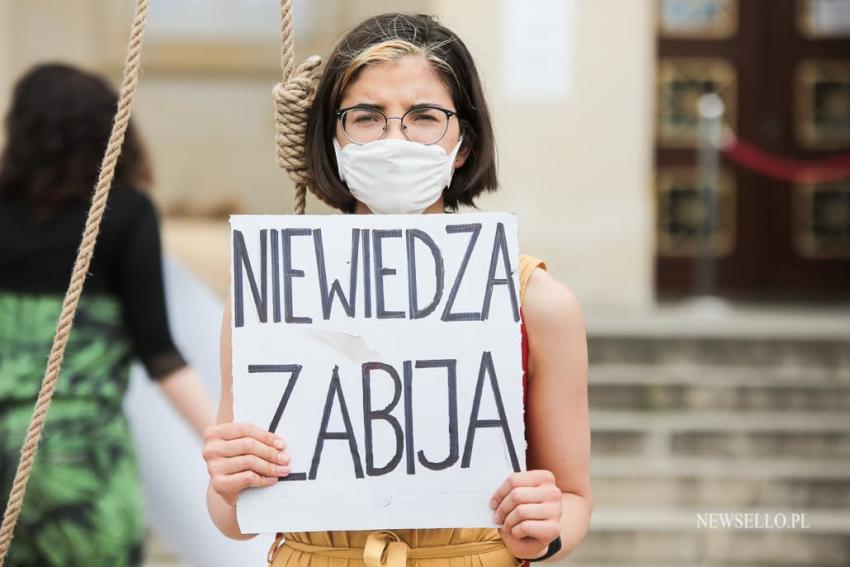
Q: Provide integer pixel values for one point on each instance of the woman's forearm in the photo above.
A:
(575, 519)
(184, 390)
(224, 516)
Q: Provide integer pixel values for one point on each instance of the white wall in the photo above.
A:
(577, 170)
(47, 30)
(5, 60)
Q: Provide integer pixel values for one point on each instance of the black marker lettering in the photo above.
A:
(367, 275)
(475, 229)
(381, 271)
(500, 248)
(275, 277)
(289, 273)
(348, 303)
(240, 259)
(487, 369)
(410, 450)
(294, 370)
(451, 367)
(370, 415)
(414, 234)
(335, 391)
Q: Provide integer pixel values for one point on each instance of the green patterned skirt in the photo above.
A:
(83, 502)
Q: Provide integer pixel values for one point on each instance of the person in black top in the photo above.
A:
(83, 504)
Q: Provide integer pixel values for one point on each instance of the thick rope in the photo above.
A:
(78, 277)
(293, 97)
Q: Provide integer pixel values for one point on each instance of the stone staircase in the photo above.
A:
(695, 417)
(688, 423)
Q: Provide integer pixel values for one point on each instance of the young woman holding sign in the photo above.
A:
(400, 106)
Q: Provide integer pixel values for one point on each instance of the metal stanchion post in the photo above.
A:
(710, 131)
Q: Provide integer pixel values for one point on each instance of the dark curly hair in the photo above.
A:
(57, 129)
(398, 33)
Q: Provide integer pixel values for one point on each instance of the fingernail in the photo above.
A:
(279, 443)
(496, 519)
(283, 457)
(282, 471)
(493, 504)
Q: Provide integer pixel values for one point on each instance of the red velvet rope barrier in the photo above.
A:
(752, 157)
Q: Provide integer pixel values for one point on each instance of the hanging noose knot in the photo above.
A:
(292, 102)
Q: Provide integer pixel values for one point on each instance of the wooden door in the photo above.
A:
(782, 68)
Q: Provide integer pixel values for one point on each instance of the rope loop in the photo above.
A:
(292, 100)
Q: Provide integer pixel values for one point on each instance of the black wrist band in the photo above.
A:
(554, 547)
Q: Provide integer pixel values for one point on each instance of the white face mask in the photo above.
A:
(395, 176)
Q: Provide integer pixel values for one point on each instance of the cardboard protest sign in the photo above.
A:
(386, 349)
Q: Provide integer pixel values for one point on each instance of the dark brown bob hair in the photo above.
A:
(57, 129)
(385, 38)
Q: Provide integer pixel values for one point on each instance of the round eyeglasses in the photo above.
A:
(424, 124)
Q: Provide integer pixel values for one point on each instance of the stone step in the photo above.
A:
(652, 536)
(708, 483)
(716, 434)
(749, 352)
(652, 388)
(692, 373)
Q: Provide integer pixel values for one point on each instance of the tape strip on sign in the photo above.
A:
(386, 349)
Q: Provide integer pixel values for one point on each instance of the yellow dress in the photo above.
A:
(443, 547)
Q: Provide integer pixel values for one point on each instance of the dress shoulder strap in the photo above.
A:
(527, 264)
